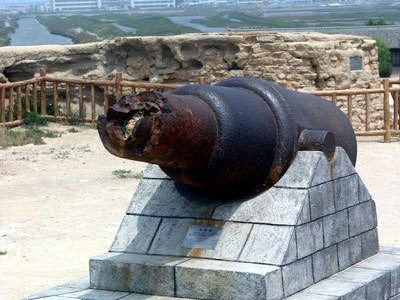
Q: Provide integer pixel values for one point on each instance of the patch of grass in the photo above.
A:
(85, 29)
(30, 135)
(82, 29)
(8, 24)
(123, 174)
(3, 252)
(34, 119)
(72, 130)
(148, 25)
(229, 20)
(76, 118)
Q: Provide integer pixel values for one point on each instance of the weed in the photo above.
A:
(72, 130)
(31, 135)
(32, 118)
(76, 117)
(3, 252)
(122, 174)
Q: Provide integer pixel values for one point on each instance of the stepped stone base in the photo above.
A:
(376, 278)
(317, 220)
(312, 236)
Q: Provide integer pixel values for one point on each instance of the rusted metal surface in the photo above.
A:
(239, 135)
(168, 130)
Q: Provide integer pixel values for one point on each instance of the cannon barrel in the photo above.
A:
(239, 135)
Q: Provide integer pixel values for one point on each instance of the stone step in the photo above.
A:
(186, 278)
(376, 278)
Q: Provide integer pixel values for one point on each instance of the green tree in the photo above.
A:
(384, 59)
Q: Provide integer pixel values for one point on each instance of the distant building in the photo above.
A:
(249, 2)
(152, 4)
(74, 5)
(114, 4)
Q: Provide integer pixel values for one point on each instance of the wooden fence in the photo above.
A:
(391, 125)
(38, 87)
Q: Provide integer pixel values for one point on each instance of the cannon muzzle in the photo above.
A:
(240, 134)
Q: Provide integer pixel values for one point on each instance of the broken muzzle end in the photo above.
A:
(147, 127)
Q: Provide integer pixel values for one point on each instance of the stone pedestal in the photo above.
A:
(318, 220)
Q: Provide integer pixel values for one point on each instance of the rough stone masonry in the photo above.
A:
(305, 61)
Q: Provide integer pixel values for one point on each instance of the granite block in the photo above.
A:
(91, 294)
(135, 234)
(349, 252)
(165, 198)
(70, 287)
(362, 218)
(338, 288)
(221, 280)
(153, 171)
(336, 228)
(297, 276)
(377, 283)
(390, 250)
(363, 194)
(309, 238)
(148, 274)
(136, 296)
(346, 192)
(270, 244)
(54, 298)
(325, 263)
(369, 243)
(301, 171)
(278, 206)
(305, 296)
(322, 201)
(340, 166)
(172, 232)
(385, 262)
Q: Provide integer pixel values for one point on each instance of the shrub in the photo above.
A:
(384, 59)
(34, 119)
(25, 114)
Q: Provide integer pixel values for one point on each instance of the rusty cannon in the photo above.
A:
(239, 135)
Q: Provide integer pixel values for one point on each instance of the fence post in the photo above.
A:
(118, 79)
(350, 108)
(19, 104)
(3, 104)
(386, 111)
(43, 92)
(55, 98)
(27, 104)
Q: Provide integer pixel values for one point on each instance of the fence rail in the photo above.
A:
(390, 128)
(32, 88)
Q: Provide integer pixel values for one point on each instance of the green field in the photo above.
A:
(149, 25)
(237, 20)
(84, 29)
(7, 26)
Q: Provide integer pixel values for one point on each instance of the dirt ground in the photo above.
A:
(61, 205)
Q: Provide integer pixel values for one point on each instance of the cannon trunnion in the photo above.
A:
(239, 135)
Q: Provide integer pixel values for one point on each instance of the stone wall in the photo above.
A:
(305, 61)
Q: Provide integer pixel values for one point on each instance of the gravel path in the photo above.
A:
(61, 205)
